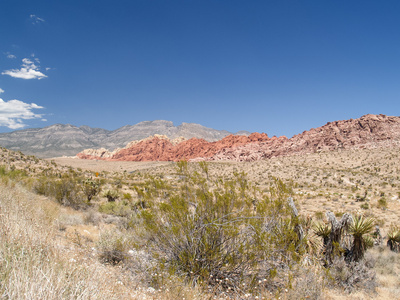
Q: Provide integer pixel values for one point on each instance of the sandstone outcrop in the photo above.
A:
(161, 148)
(367, 131)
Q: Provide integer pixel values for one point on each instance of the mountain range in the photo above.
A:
(369, 131)
(67, 140)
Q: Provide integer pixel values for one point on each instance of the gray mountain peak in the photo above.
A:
(66, 139)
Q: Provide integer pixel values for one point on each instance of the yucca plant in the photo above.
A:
(394, 238)
(111, 195)
(358, 228)
(323, 230)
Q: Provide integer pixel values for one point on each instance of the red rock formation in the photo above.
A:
(367, 131)
(162, 149)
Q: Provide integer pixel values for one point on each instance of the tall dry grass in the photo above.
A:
(33, 262)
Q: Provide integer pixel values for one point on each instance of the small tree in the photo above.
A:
(90, 188)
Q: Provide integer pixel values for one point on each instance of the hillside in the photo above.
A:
(369, 131)
(59, 139)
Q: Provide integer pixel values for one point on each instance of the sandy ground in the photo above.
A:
(109, 166)
(329, 181)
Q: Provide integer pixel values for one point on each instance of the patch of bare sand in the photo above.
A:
(109, 166)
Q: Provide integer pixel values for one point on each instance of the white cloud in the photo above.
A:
(36, 20)
(28, 70)
(14, 112)
(1, 91)
(9, 55)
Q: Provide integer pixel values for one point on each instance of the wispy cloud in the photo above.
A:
(9, 55)
(28, 70)
(14, 112)
(1, 91)
(36, 20)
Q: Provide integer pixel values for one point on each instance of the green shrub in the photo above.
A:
(127, 196)
(382, 203)
(121, 209)
(91, 188)
(224, 236)
(65, 191)
(111, 195)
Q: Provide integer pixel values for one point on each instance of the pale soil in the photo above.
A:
(327, 181)
(108, 166)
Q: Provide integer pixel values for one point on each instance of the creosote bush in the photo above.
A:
(229, 236)
(64, 190)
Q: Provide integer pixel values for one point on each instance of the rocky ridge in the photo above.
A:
(367, 131)
(60, 139)
(161, 148)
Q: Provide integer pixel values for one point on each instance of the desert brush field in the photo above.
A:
(295, 227)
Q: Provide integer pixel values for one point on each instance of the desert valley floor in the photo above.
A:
(335, 181)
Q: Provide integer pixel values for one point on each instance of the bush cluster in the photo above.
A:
(226, 234)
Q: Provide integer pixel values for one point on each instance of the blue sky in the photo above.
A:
(279, 67)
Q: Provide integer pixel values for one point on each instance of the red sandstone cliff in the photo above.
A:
(162, 149)
(367, 131)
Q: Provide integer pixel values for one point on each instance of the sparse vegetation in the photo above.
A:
(210, 229)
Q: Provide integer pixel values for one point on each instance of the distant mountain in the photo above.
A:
(369, 131)
(59, 139)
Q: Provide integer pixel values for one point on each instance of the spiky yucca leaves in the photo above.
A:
(90, 188)
(111, 195)
(394, 238)
(323, 230)
(358, 228)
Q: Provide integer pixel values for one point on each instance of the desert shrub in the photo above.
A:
(112, 247)
(224, 236)
(65, 191)
(91, 188)
(387, 262)
(352, 276)
(127, 196)
(122, 208)
(307, 285)
(11, 173)
(111, 195)
(382, 203)
(319, 215)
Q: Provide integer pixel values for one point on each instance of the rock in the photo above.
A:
(161, 148)
(367, 131)
(66, 140)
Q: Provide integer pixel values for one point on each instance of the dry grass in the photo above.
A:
(52, 252)
(34, 263)
(38, 261)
